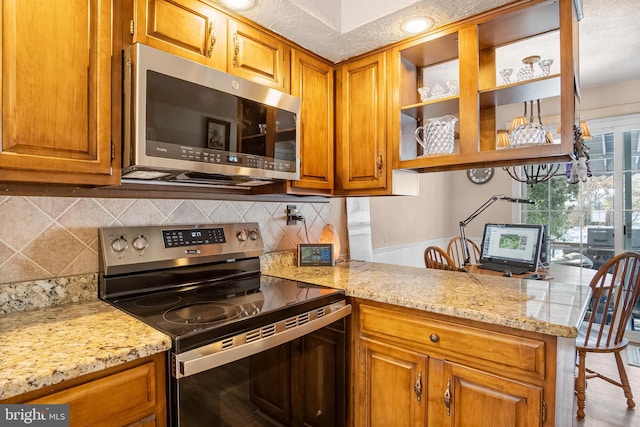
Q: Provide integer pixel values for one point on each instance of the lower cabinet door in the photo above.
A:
(392, 386)
(479, 399)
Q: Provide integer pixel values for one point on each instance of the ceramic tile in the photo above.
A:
(242, 207)
(116, 207)
(18, 268)
(54, 240)
(208, 207)
(257, 214)
(187, 213)
(21, 222)
(33, 245)
(84, 220)
(167, 207)
(142, 212)
(5, 253)
(55, 206)
(226, 212)
(86, 261)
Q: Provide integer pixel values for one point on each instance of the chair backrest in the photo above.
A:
(456, 253)
(435, 257)
(615, 290)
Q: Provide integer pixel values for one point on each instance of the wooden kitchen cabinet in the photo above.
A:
(257, 56)
(312, 81)
(430, 370)
(56, 93)
(362, 155)
(391, 386)
(191, 29)
(482, 102)
(131, 394)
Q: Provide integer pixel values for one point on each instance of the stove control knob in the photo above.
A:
(140, 243)
(242, 235)
(119, 244)
(253, 235)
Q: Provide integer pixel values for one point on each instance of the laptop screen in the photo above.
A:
(512, 244)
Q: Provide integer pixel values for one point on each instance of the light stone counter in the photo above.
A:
(53, 344)
(548, 307)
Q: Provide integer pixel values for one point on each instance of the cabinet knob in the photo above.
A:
(434, 338)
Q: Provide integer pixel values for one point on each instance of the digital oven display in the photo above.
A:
(192, 237)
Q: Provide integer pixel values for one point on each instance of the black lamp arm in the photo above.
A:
(464, 222)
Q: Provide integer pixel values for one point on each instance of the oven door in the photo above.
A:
(299, 382)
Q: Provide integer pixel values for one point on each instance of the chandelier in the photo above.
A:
(533, 174)
(525, 131)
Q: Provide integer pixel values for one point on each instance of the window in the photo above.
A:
(590, 222)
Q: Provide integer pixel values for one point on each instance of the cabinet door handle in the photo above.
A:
(379, 162)
(236, 49)
(417, 387)
(434, 338)
(447, 397)
(212, 40)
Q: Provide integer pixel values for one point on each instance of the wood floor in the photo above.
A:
(606, 404)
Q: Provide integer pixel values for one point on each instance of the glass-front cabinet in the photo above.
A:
(473, 93)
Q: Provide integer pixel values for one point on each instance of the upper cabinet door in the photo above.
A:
(312, 81)
(361, 148)
(56, 92)
(257, 56)
(187, 28)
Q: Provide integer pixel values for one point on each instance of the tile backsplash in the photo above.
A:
(48, 237)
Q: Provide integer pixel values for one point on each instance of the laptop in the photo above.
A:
(512, 247)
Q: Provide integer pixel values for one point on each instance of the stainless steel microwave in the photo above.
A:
(188, 123)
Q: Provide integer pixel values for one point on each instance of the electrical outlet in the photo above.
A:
(291, 215)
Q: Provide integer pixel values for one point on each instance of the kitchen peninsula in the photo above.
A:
(490, 345)
(438, 331)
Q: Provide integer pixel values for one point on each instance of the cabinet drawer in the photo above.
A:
(120, 398)
(506, 353)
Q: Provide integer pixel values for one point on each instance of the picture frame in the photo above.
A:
(217, 134)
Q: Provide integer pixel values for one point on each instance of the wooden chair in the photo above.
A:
(455, 252)
(435, 257)
(615, 289)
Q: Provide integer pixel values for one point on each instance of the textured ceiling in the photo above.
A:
(341, 29)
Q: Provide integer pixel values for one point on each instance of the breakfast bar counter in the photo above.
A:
(549, 307)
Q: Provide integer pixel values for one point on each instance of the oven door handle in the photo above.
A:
(213, 355)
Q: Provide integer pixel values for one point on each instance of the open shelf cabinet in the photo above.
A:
(474, 51)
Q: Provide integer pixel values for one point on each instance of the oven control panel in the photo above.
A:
(193, 236)
(126, 249)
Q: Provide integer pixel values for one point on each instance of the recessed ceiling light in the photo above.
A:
(239, 4)
(417, 25)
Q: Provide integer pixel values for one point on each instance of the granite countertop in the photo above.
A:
(49, 345)
(549, 307)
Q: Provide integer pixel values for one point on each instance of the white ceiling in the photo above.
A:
(340, 29)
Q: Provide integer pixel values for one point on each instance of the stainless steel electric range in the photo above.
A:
(241, 340)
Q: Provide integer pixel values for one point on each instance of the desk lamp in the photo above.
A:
(485, 205)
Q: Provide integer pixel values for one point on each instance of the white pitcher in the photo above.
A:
(437, 135)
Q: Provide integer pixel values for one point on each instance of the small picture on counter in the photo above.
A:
(218, 134)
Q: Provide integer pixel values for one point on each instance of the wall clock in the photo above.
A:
(480, 175)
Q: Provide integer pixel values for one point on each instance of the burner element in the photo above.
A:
(203, 312)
